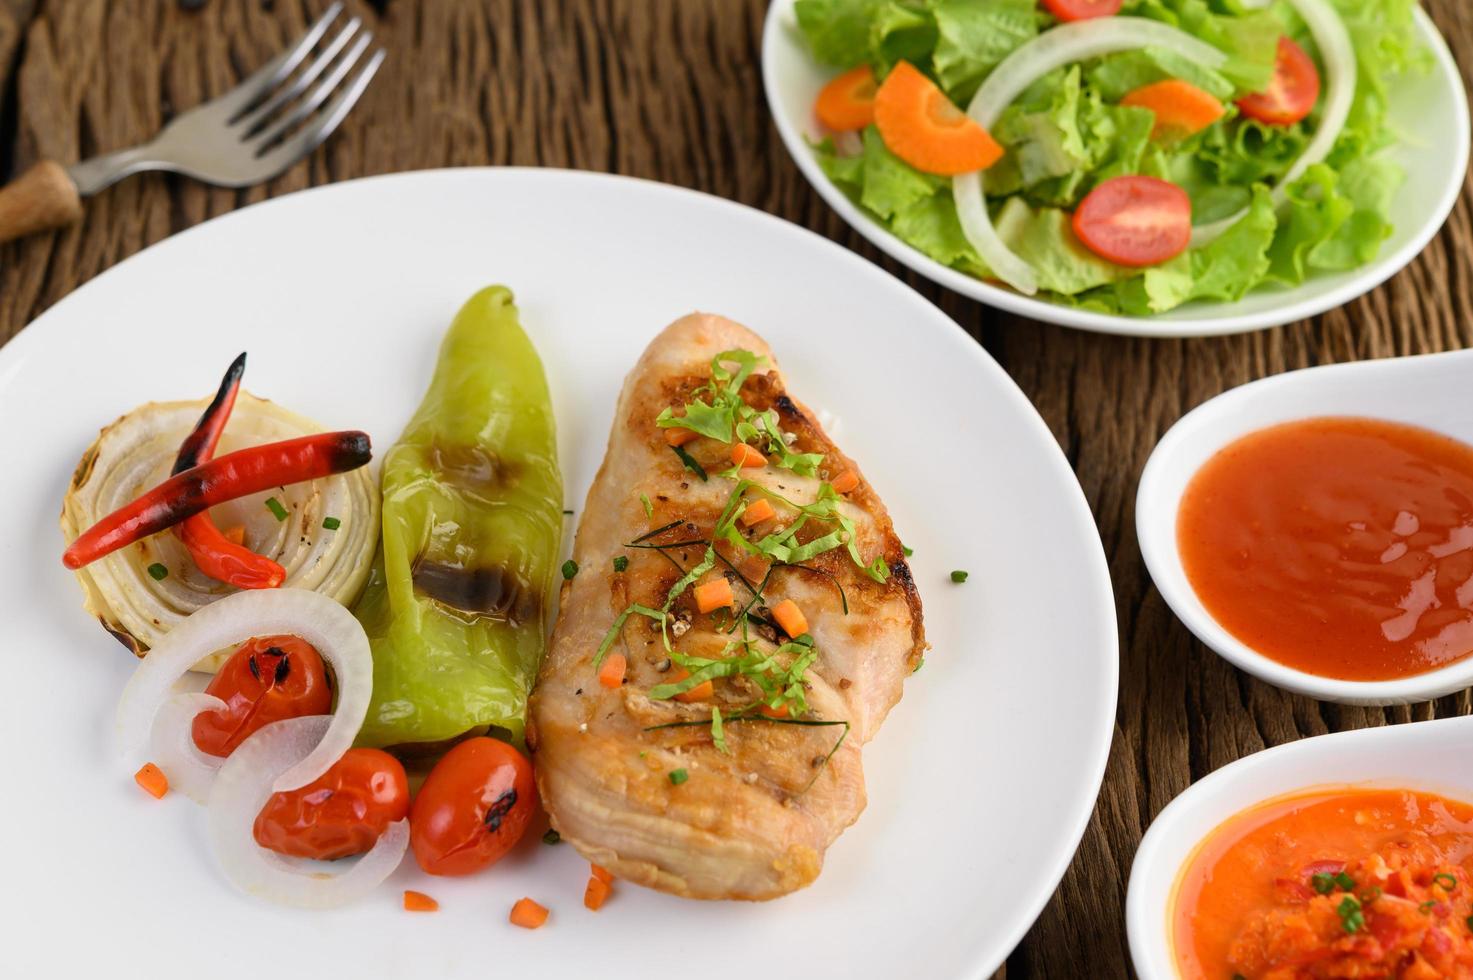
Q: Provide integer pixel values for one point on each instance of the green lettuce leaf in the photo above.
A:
(838, 31)
(973, 36)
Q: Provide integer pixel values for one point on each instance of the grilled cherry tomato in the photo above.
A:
(269, 678)
(1135, 221)
(1082, 9)
(1291, 93)
(340, 813)
(473, 807)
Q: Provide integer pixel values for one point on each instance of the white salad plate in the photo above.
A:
(1430, 112)
(1428, 391)
(980, 783)
(1431, 756)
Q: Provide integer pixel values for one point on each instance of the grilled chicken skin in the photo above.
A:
(666, 806)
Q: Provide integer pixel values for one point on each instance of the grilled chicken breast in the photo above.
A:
(747, 810)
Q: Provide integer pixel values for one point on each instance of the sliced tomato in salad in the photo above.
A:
(1135, 221)
(1291, 93)
(1082, 9)
(267, 679)
(340, 813)
(473, 807)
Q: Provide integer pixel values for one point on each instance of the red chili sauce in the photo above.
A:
(1342, 547)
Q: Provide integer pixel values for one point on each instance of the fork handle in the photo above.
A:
(42, 198)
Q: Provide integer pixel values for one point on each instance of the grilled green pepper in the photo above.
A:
(456, 608)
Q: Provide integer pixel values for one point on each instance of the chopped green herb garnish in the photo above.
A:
(678, 776)
(907, 551)
(621, 562)
(1447, 881)
(274, 505)
(570, 568)
(1326, 883)
(649, 508)
(1469, 923)
(958, 576)
(690, 463)
(1427, 907)
(552, 837)
(157, 572)
(331, 523)
(1352, 918)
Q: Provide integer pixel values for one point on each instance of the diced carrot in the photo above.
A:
(757, 512)
(419, 902)
(601, 873)
(528, 914)
(679, 437)
(701, 692)
(790, 618)
(1180, 107)
(771, 712)
(845, 481)
(596, 893)
(745, 456)
(236, 534)
(611, 671)
(848, 102)
(715, 594)
(921, 126)
(153, 780)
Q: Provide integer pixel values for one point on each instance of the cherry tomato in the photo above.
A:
(473, 807)
(342, 812)
(269, 678)
(1082, 9)
(1291, 93)
(1135, 221)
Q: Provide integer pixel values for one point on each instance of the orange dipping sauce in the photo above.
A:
(1335, 883)
(1342, 547)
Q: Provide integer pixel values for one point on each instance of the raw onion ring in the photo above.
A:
(1062, 45)
(172, 747)
(243, 788)
(314, 617)
(1333, 40)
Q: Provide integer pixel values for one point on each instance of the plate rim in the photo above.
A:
(21, 346)
(1370, 276)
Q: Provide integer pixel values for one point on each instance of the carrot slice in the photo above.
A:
(419, 902)
(596, 894)
(848, 102)
(679, 437)
(1181, 108)
(771, 712)
(602, 874)
(611, 671)
(745, 456)
(921, 126)
(714, 595)
(528, 914)
(790, 618)
(236, 535)
(758, 512)
(845, 481)
(701, 692)
(153, 780)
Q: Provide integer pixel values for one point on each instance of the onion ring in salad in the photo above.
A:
(227, 622)
(1055, 48)
(1338, 54)
(172, 748)
(243, 788)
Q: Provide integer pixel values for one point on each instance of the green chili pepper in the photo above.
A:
(456, 609)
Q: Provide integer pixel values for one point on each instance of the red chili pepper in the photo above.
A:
(229, 477)
(213, 553)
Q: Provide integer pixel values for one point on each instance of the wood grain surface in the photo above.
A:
(670, 90)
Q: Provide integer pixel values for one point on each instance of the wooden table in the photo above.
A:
(670, 90)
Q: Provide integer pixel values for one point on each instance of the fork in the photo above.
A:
(251, 133)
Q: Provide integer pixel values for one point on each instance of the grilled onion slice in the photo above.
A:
(135, 453)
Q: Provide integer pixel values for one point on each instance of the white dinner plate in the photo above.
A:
(1429, 112)
(980, 783)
